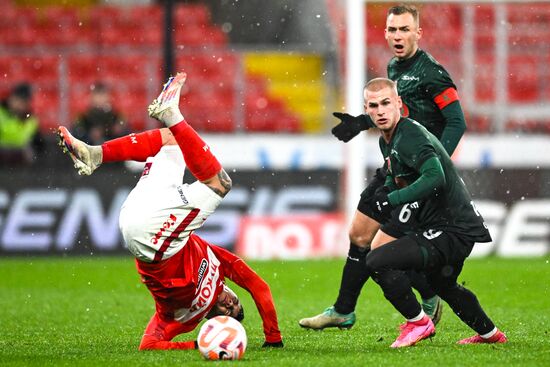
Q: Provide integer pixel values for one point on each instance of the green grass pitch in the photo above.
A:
(92, 311)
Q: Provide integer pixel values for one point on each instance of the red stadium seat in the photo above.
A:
(523, 78)
(484, 78)
(191, 14)
(79, 97)
(266, 114)
(484, 19)
(33, 69)
(84, 69)
(131, 101)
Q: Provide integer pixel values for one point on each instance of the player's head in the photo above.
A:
(403, 30)
(100, 97)
(19, 100)
(228, 304)
(382, 103)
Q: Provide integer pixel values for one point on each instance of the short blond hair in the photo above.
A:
(376, 84)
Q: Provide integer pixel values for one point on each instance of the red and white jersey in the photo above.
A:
(160, 212)
(186, 285)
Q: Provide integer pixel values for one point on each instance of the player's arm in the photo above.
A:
(455, 125)
(421, 157)
(159, 333)
(239, 272)
(445, 96)
(431, 178)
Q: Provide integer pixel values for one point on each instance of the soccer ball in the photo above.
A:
(222, 337)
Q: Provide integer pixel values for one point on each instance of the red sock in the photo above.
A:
(198, 157)
(133, 147)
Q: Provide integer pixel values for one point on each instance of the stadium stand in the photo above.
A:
(64, 50)
(67, 49)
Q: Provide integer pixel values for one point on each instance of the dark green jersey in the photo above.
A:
(420, 79)
(449, 207)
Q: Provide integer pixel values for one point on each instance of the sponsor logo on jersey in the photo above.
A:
(202, 268)
(205, 292)
(412, 78)
(182, 196)
(168, 223)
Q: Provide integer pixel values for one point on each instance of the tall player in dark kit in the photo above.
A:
(447, 222)
(184, 274)
(430, 97)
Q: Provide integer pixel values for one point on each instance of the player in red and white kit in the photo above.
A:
(184, 273)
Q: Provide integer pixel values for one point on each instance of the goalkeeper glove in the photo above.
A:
(350, 126)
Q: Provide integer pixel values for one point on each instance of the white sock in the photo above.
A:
(489, 334)
(171, 117)
(417, 318)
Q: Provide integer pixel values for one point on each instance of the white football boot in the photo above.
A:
(86, 158)
(165, 107)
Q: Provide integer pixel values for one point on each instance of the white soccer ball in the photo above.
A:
(222, 337)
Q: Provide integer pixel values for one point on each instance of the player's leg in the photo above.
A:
(465, 305)
(364, 226)
(137, 147)
(354, 276)
(159, 333)
(197, 154)
(401, 220)
(462, 301)
(388, 267)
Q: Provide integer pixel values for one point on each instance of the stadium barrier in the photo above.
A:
(286, 214)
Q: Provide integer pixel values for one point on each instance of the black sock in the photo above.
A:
(466, 306)
(420, 283)
(354, 276)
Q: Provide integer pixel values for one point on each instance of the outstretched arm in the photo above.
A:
(239, 272)
(159, 333)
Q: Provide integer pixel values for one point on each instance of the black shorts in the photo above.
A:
(402, 217)
(440, 248)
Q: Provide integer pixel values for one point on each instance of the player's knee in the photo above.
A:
(375, 261)
(360, 237)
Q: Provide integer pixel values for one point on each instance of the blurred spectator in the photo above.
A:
(19, 135)
(100, 122)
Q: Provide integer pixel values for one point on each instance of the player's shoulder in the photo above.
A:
(393, 62)
(430, 64)
(411, 128)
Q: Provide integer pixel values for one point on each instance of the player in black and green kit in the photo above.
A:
(431, 98)
(446, 227)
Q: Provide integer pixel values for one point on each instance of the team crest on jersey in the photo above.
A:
(146, 169)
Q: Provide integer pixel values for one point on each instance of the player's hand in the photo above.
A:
(350, 126)
(273, 345)
(380, 202)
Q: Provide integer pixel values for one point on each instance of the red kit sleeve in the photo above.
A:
(238, 271)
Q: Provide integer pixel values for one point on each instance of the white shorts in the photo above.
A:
(160, 212)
